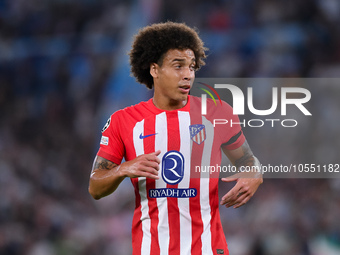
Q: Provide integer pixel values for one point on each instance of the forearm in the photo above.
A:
(103, 183)
(106, 175)
(244, 159)
(247, 182)
(105, 178)
(252, 168)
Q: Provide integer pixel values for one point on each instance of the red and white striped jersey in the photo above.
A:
(178, 213)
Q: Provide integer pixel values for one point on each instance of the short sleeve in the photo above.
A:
(111, 143)
(233, 136)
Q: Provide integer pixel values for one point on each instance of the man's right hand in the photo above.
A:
(146, 165)
(106, 175)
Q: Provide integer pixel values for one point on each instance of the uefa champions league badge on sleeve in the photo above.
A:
(107, 124)
(104, 140)
(197, 133)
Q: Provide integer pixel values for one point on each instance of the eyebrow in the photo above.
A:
(182, 60)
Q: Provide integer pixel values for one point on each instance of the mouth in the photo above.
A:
(185, 88)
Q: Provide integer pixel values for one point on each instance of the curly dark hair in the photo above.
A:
(152, 42)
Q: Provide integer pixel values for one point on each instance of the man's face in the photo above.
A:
(173, 79)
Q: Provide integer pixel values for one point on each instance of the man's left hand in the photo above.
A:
(245, 187)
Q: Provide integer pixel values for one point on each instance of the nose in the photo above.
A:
(188, 74)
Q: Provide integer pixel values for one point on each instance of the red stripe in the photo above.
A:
(218, 240)
(196, 219)
(149, 147)
(173, 210)
(194, 203)
(136, 222)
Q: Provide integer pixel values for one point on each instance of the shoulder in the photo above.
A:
(131, 111)
(121, 122)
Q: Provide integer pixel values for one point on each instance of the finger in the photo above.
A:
(232, 178)
(147, 172)
(148, 175)
(157, 152)
(151, 167)
(153, 156)
(233, 194)
(152, 176)
(236, 200)
(230, 197)
(243, 201)
(152, 164)
(241, 193)
(229, 179)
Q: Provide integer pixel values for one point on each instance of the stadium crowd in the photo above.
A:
(60, 72)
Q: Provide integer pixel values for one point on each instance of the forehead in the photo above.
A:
(176, 54)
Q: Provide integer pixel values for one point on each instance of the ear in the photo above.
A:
(154, 70)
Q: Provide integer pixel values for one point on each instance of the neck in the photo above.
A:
(169, 105)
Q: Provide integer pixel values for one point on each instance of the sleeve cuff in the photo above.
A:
(108, 156)
(238, 143)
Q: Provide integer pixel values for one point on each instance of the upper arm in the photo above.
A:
(101, 163)
(103, 181)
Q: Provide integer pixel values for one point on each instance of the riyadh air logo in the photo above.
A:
(172, 167)
(204, 97)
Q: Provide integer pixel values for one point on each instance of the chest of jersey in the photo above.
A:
(184, 143)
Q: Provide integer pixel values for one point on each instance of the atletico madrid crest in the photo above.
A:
(197, 133)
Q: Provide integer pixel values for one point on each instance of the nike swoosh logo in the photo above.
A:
(145, 136)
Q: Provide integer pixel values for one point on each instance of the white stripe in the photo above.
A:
(183, 203)
(137, 142)
(202, 134)
(198, 138)
(161, 143)
(204, 188)
(145, 218)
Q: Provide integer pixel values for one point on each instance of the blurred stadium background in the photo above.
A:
(64, 69)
